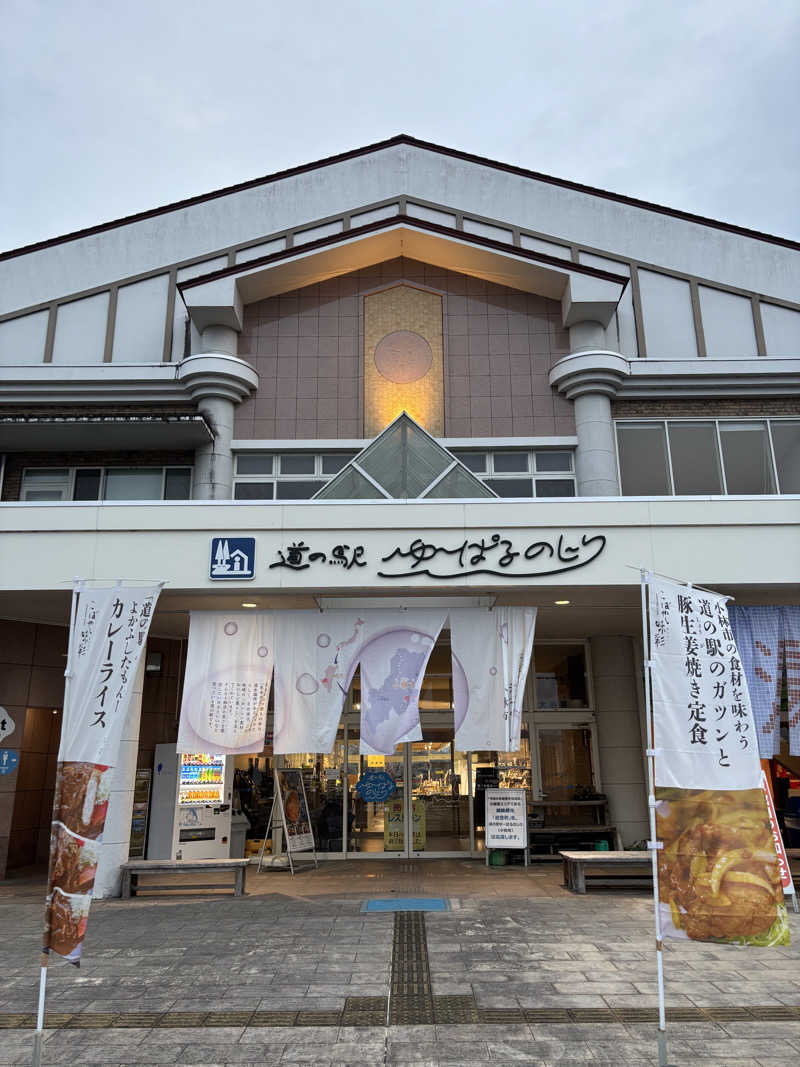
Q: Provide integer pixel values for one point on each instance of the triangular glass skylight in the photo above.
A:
(404, 463)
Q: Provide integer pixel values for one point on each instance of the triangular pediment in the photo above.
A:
(404, 462)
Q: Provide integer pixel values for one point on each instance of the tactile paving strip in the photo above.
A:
(410, 1002)
(409, 1009)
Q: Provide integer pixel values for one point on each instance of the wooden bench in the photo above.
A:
(133, 868)
(638, 864)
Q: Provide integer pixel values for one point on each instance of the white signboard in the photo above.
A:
(506, 818)
(106, 643)
(704, 730)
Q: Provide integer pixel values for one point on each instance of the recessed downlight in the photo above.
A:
(561, 602)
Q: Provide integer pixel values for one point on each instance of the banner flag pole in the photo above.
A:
(77, 585)
(652, 843)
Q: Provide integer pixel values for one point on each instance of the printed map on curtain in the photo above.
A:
(719, 878)
(106, 643)
(227, 683)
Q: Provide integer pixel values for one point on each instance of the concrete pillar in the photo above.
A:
(590, 377)
(217, 380)
(595, 456)
(117, 832)
(213, 462)
(619, 735)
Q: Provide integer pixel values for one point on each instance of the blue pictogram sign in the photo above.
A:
(232, 558)
(9, 758)
(375, 786)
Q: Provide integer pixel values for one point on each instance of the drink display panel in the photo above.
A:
(202, 779)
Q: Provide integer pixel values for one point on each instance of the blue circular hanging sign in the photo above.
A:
(375, 786)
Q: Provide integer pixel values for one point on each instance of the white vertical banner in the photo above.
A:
(719, 878)
(315, 658)
(106, 643)
(491, 655)
(108, 635)
(394, 653)
(227, 681)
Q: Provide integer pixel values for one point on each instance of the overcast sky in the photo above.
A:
(112, 107)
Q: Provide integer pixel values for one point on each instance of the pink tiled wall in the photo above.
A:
(499, 345)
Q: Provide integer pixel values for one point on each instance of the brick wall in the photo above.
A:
(710, 408)
(16, 462)
(307, 347)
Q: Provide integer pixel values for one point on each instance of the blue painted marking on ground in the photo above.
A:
(407, 904)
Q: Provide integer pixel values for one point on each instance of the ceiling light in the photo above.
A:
(248, 604)
(561, 602)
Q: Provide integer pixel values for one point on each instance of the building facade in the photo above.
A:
(609, 380)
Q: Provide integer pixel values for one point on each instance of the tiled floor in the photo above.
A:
(518, 971)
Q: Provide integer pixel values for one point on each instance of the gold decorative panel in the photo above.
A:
(403, 359)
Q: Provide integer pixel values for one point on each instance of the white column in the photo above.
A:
(213, 462)
(590, 377)
(595, 456)
(117, 832)
(619, 735)
(218, 380)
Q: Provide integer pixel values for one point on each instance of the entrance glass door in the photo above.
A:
(431, 818)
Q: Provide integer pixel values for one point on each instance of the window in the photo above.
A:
(748, 463)
(110, 483)
(695, 458)
(508, 472)
(786, 443)
(709, 457)
(560, 677)
(288, 476)
(643, 460)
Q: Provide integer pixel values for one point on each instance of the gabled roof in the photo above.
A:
(401, 139)
(404, 463)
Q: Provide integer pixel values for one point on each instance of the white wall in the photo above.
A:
(80, 335)
(667, 314)
(727, 325)
(22, 340)
(140, 321)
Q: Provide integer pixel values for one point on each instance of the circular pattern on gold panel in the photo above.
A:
(403, 356)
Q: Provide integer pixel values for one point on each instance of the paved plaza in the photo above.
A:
(517, 971)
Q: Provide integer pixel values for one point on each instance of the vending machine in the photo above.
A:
(192, 793)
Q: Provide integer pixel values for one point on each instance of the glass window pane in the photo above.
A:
(45, 474)
(565, 757)
(350, 485)
(553, 461)
(260, 463)
(745, 453)
(695, 463)
(43, 494)
(457, 485)
(560, 676)
(87, 484)
(786, 439)
(332, 462)
(510, 462)
(297, 463)
(178, 483)
(253, 491)
(297, 490)
(643, 459)
(555, 487)
(474, 461)
(45, 483)
(132, 483)
(511, 486)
